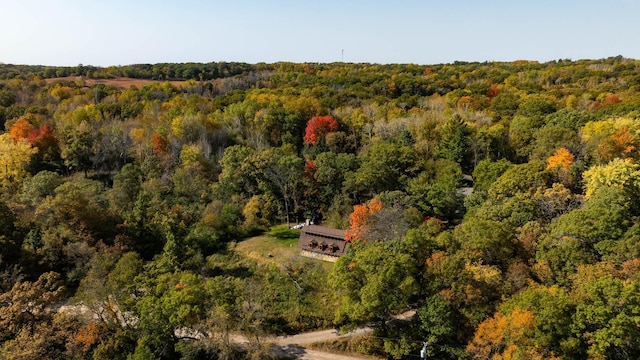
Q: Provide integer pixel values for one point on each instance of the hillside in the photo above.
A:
(153, 192)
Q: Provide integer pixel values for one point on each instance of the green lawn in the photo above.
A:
(276, 246)
(280, 243)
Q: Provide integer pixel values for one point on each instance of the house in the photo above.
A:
(322, 243)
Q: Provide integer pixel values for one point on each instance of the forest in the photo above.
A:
(500, 201)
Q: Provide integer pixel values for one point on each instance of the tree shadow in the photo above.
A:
(291, 351)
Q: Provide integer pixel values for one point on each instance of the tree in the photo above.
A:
(621, 144)
(14, 157)
(436, 322)
(552, 309)
(331, 171)
(385, 167)
(607, 316)
(80, 208)
(20, 129)
(48, 155)
(238, 172)
(620, 174)
(160, 145)
(584, 235)
(453, 145)
(612, 138)
(561, 158)
(490, 241)
(521, 135)
(506, 337)
(318, 128)
(373, 282)
(172, 303)
(78, 150)
(360, 222)
(435, 191)
(7, 98)
(37, 188)
(109, 288)
(283, 170)
(519, 179)
(27, 303)
(487, 172)
(550, 138)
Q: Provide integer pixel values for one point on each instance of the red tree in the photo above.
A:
(159, 144)
(493, 91)
(42, 138)
(318, 127)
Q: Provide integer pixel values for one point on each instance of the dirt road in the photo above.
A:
(293, 346)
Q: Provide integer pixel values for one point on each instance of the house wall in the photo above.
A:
(319, 256)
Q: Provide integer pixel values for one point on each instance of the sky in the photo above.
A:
(123, 32)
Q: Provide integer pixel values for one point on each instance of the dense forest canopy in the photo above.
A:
(127, 202)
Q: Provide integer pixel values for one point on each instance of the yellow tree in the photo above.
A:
(14, 157)
(561, 158)
(507, 337)
(618, 173)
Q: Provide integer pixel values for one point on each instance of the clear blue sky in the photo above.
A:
(119, 32)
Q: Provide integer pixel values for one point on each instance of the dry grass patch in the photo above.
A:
(119, 82)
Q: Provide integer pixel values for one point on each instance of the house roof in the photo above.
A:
(321, 230)
(322, 240)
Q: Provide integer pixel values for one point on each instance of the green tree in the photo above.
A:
(487, 172)
(584, 235)
(435, 191)
(454, 139)
(78, 148)
(373, 282)
(385, 167)
(171, 304)
(281, 173)
(37, 188)
(331, 172)
(607, 316)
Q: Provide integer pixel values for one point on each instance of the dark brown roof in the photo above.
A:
(321, 230)
(322, 240)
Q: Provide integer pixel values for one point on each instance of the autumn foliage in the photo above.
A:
(159, 144)
(620, 144)
(562, 158)
(506, 337)
(359, 220)
(318, 127)
(20, 130)
(612, 99)
(493, 91)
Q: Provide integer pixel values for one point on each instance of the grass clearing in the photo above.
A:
(274, 247)
(281, 243)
